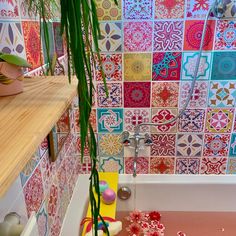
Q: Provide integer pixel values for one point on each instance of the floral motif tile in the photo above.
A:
(226, 35)
(169, 9)
(42, 221)
(189, 65)
(137, 9)
(33, 192)
(193, 35)
(108, 10)
(111, 164)
(166, 65)
(63, 125)
(55, 228)
(112, 67)
(114, 98)
(198, 9)
(9, 9)
(163, 145)
(11, 38)
(110, 145)
(222, 94)
(192, 120)
(25, 13)
(32, 40)
(162, 165)
(187, 165)
(110, 120)
(165, 94)
(224, 66)
(133, 117)
(138, 36)
(216, 145)
(58, 41)
(219, 120)
(232, 149)
(137, 67)
(231, 167)
(199, 96)
(168, 35)
(111, 39)
(137, 94)
(142, 165)
(161, 116)
(189, 145)
(213, 165)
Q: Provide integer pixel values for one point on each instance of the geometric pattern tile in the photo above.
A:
(232, 150)
(198, 9)
(137, 67)
(9, 9)
(189, 64)
(142, 165)
(112, 164)
(219, 120)
(213, 165)
(216, 145)
(192, 120)
(162, 165)
(187, 165)
(222, 94)
(166, 66)
(110, 120)
(189, 145)
(108, 10)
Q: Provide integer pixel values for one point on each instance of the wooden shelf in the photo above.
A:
(26, 119)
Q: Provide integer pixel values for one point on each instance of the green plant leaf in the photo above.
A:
(15, 60)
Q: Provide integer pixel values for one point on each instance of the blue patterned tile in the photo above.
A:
(112, 164)
(110, 120)
(232, 150)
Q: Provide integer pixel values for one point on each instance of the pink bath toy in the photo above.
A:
(108, 196)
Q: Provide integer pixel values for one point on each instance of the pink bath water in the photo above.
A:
(192, 223)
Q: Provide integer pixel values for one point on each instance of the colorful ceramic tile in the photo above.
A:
(83, 167)
(213, 165)
(199, 95)
(165, 94)
(55, 228)
(110, 120)
(110, 145)
(142, 165)
(108, 10)
(168, 35)
(216, 145)
(137, 94)
(114, 98)
(192, 120)
(111, 164)
(225, 35)
(163, 145)
(112, 67)
(198, 9)
(11, 39)
(189, 65)
(25, 13)
(9, 9)
(189, 145)
(224, 66)
(61, 177)
(137, 9)
(166, 66)
(169, 9)
(64, 200)
(58, 40)
(232, 149)
(231, 167)
(193, 35)
(161, 116)
(32, 40)
(110, 39)
(138, 36)
(187, 165)
(222, 94)
(137, 67)
(33, 192)
(78, 147)
(133, 117)
(42, 221)
(162, 165)
(219, 120)
(63, 125)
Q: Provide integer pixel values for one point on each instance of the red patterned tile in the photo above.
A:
(213, 165)
(55, 228)
(63, 125)
(137, 94)
(162, 165)
(165, 94)
(142, 165)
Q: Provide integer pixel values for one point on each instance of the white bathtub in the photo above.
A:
(160, 192)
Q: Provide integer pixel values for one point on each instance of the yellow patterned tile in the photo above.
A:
(107, 10)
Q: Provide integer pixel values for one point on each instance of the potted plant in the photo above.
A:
(11, 74)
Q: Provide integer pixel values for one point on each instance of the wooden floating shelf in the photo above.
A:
(27, 118)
